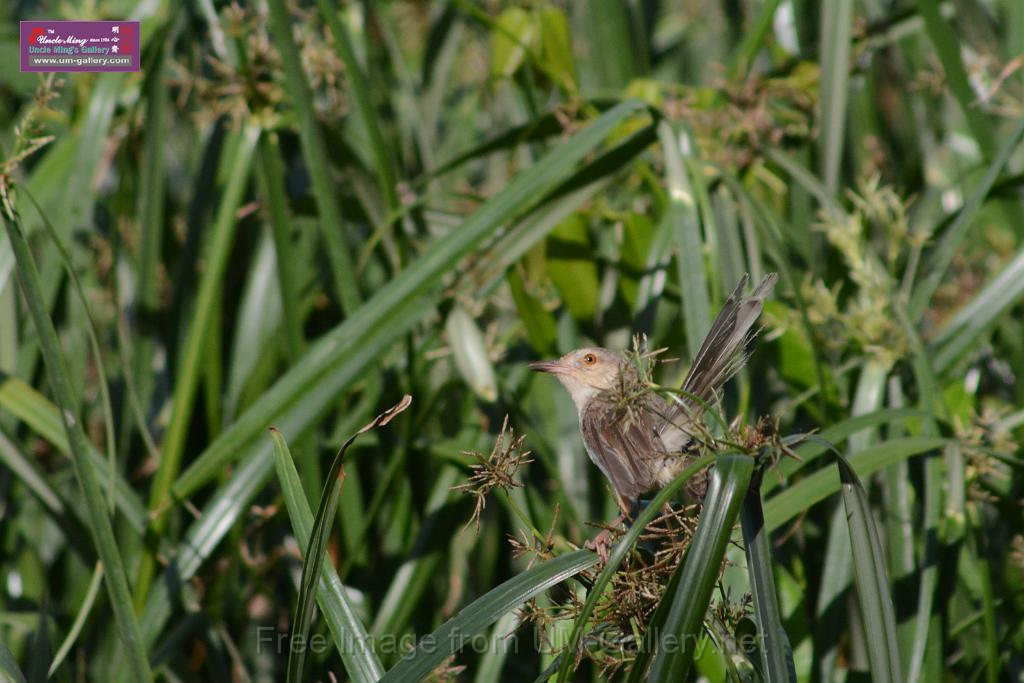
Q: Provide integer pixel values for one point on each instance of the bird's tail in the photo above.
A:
(722, 354)
(724, 350)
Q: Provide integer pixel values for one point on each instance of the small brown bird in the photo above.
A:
(636, 438)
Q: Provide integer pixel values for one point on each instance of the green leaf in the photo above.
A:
(823, 483)
(677, 642)
(683, 216)
(270, 173)
(316, 551)
(469, 350)
(812, 449)
(314, 150)
(538, 321)
(26, 471)
(9, 667)
(949, 244)
(743, 56)
(512, 38)
(360, 88)
(836, 30)
(473, 619)
(102, 530)
(415, 575)
(776, 652)
(330, 365)
(571, 267)
(870, 577)
(43, 418)
(963, 331)
(498, 648)
(637, 235)
(196, 349)
(948, 46)
(616, 53)
(80, 618)
(350, 638)
(556, 56)
(796, 357)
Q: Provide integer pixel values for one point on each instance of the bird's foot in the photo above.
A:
(599, 544)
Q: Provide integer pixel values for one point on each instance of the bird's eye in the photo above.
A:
(589, 359)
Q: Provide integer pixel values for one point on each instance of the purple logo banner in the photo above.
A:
(80, 46)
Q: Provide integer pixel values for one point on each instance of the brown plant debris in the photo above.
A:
(497, 470)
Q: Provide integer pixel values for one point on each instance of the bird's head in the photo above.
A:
(585, 372)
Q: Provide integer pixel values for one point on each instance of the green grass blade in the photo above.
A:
(151, 212)
(191, 368)
(934, 483)
(836, 434)
(103, 533)
(313, 558)
(43, 418)
(683, 215)
(94, 346)
(977, 563)
(386, 176)
(776, 652)
(963, 331)
(836, 30)
(270, 173)
(942, 255)
(539, 128)
(638, 670)
(413, 577)
(871, 579)
(76, 626)
(65, 194)
(744, 54)
(232, 498)
(72, 520)
(683, 627)
(652, 284)
(314, 150)
(328, 365)
(898, 517)
(23, 468)
(617, 56)
(218, 516)
(469, 351)
(484, 611)
(259, 316)
(350, 638)
(829, 604)
(947, 47)
(823, 483)
(9, 667)
(573, 194)
(493, 660)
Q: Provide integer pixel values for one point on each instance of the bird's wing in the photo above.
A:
(623, 447)
(722, 354)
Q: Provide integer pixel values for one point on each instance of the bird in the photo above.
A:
(639, 440)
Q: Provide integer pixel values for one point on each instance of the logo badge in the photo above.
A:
(80, 46)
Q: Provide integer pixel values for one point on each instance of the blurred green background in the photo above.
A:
(299, 212)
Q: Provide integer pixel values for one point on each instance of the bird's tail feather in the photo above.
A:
(724, 350)
(722, 354)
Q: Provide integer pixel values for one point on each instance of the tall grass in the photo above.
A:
(215, 272)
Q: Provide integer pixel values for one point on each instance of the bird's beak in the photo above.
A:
(553, 367)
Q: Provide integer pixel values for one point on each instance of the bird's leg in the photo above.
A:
(599, 543)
